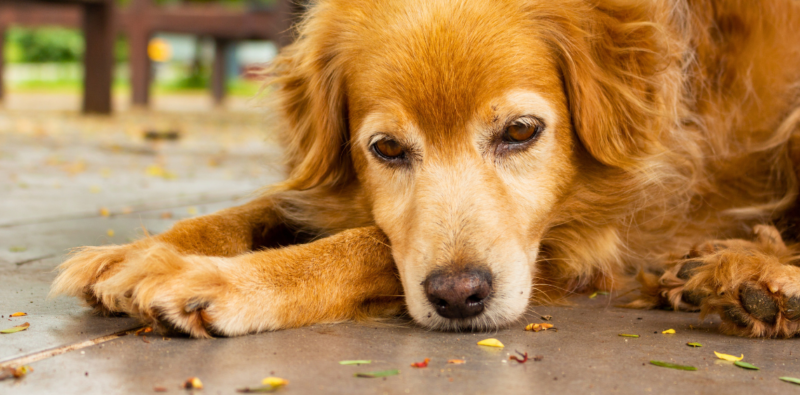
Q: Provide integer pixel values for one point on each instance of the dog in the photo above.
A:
(457, 160)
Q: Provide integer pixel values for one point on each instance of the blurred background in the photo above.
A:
(102, 55)
(144, 111)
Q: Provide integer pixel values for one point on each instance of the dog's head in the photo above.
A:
(465, 126)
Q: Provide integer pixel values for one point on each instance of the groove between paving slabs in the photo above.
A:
(38, 356)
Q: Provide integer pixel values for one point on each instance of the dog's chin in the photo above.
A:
(492, 318)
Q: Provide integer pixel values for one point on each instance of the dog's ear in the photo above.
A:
(311, 105)
(615, 62)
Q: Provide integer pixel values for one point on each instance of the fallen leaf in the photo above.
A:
(166, 215)
(146, 329)
(18, 372)
(491, 343)
(193, 383)
(627, 335)
(745, 365)
(256, 390)
(538, 327)
(547, 317)
(594, 294)
(192, 210)
(790, 380)
(19, 314)
(382, 373)
(276, 382)
(104, 212)
(110, 232)
(456, 361)
(18, 249)
(356, 362)
(672, 365)
(520, 360)
(693, 344)
(668, 331)
(18, 328)
(538, 358)
(160, 389)
(423, 364)
(728, 357)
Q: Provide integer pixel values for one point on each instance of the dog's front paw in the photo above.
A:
(170, 291)
(753, 286)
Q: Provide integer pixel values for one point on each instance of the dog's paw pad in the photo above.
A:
(688, 269)
(759, 304)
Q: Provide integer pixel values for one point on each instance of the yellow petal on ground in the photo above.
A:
(668, 331)
(491, 343)
(104, 212)
(19, 314)
(728, 357)
(538, 327)
(193, 383)
(154, 171)
(110, 232)
(275, 381)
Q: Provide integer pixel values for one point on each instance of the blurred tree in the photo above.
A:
(45, 45)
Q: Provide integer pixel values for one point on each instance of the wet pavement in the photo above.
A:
(68, 181)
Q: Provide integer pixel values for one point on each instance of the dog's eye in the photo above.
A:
(388, 149)
(521, 131)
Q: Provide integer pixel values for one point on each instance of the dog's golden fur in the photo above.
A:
(668, 126)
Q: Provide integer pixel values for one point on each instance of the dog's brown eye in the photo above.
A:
(520, 131)
(389, 149)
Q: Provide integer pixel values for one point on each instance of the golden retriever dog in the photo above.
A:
(457, 160)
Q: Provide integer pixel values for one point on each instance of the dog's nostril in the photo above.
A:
(459, 295)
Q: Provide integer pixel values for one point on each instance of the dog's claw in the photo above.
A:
(793, 308)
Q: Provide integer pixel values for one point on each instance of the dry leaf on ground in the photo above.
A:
(727, 357)
(15, 329)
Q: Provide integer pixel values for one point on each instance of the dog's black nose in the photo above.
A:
(460, 294)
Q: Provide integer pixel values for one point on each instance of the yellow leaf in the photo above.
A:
(20, 314)
(192, 210)
(110, 232)
(491, 343)
(728, 357)
(104, 212)
(668, 331)
(274, 381)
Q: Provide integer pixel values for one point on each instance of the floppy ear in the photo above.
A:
(615, 62)
(311, 105)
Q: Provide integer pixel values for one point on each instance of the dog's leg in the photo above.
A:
(753, 285)
(199, 278)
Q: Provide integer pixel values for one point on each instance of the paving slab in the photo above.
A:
(59, 171)
(585, 355)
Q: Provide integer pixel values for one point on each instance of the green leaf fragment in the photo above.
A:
(18, 249)
(790, 380)
(628, 335)
(672, 365)
(356, 362)
(382, 373)
(592, 296)
(691, 344)
(745, 365)
(15, 329)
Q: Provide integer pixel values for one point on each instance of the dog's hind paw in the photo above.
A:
(754, 286)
